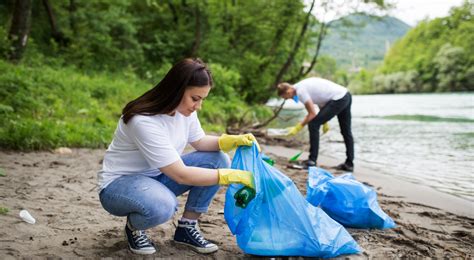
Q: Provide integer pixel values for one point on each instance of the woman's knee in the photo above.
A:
(162, 212)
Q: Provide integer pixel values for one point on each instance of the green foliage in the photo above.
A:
(218, 113)
(226, 82)
(400, 82)
(326, 67)
(437, 55)
(143, 36)
(451, 64)
(361, 83)
(61, 107)
(52, 108)
(71, 84)
(4, 42)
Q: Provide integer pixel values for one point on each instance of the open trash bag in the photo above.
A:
(279, 221)
(346, 200)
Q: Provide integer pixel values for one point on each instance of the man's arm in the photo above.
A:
(309, 105)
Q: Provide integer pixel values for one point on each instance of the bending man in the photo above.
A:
(332, 100)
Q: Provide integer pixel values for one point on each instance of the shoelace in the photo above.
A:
(197, 234)
(140, 238)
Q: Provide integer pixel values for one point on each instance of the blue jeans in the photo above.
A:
(150, 201)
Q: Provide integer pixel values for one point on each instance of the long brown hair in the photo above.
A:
(167, 94)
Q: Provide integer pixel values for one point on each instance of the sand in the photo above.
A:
(59, 190)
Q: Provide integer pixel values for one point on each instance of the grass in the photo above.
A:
(45, 107)
(4, 211)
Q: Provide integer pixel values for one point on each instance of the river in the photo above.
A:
(426, 139)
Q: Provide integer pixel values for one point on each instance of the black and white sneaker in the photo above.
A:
(190, 235)
(308, 163)
(348, 167)
(138, 242)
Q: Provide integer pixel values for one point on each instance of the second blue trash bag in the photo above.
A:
(346, 200)
(279, 221)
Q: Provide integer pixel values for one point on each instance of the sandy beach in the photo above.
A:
(59, 190)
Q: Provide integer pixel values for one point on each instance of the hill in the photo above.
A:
(360, 40)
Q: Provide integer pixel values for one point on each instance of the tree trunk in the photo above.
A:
(322, 34)
(173, 11)
(20, 28)
(288, 62)
(72, 20)
(197, 31)
(57, 35)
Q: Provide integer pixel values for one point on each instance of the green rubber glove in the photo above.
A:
(228, 176)
(230, 142)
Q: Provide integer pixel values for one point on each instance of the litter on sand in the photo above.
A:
(274, 132)
(26, 216)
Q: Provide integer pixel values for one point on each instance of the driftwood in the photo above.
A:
(259, 130)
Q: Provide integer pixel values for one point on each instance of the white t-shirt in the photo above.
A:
(147, 143)
(319, 90)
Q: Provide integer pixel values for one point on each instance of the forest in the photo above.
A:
(68, 67)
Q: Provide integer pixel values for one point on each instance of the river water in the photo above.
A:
(426, 139)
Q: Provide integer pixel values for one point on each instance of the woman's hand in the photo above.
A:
(228, 176)
(230, 142)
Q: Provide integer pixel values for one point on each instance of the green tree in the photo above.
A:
(436, 55)
(451, 64)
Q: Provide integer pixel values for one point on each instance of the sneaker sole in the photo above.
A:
(202, 250)
(140, 251)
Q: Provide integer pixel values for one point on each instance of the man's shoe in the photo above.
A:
(345, 167)
(138, 242)
(189, 234)
(309, 163)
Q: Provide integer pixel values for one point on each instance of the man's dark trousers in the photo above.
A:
(341, 108)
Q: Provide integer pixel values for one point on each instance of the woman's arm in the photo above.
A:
(196, 176)
(188, 175)
(208, 143)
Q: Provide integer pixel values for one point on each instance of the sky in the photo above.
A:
(413, 11)
(409, 11)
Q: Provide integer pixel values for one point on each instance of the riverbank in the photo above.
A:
(59, 191)
(391, 185)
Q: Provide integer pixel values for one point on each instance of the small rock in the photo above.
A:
(63, 150)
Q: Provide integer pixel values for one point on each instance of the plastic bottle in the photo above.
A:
(244, 196)
(268, 159)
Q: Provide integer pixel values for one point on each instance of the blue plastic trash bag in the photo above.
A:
(346, 200)
(279, 221)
